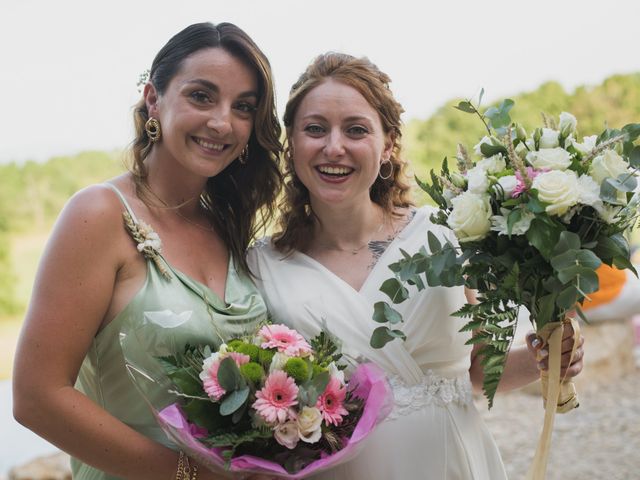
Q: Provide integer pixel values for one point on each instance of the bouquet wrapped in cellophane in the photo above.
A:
(534, 215)
(268, 402)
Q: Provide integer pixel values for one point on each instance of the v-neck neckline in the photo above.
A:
(370, 275)
(203, 289)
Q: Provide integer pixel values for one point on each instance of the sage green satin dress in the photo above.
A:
(170, 310)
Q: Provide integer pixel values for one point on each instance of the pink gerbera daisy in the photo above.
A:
(521, 184)
(331, 402)
(276, 398)
(286, 340)
(209, 373)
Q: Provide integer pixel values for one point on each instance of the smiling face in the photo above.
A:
(206, 112)
(337, 144)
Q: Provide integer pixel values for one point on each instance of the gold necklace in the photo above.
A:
(176, 209)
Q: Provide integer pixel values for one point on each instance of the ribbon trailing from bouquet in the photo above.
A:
(559, 394)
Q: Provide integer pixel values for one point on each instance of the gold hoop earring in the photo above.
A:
(388, 176)
(152, 127)
(244, 155)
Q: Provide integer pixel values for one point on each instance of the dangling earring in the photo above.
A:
(388, 176)
(244, 155)
(152, 127)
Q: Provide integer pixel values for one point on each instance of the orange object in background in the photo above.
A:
(611, 282)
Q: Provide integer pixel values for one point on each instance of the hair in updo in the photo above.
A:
(235, 196)
(296, 216)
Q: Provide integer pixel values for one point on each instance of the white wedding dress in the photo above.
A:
(434, 431)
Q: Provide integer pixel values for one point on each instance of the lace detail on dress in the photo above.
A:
(433, 389)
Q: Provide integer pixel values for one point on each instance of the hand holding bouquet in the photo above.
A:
(271, 403)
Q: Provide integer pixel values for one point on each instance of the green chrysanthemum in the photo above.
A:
(248, 349)
(252, 371)
(265, 357)
(297, 369)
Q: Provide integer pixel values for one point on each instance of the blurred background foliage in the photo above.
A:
(32, 194)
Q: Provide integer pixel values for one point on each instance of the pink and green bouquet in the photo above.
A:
(533, 215)
(271, 403)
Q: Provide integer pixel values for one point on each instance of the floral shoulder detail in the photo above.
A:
(148, 242)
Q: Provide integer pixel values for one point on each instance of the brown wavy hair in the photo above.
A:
(239, 201)
(296, 216)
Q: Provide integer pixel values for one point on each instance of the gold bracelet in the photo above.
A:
(186, 469)
(180, 469)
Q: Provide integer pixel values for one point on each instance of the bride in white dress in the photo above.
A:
(347, 213)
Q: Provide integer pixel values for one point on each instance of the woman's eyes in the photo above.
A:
(245, 107)
(357, 130)
(200, 97)
(353, 131)
(314, 129)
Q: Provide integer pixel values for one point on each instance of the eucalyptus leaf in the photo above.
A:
(567, 298)
(434, 244)
(383, 312)
(587, 258)
(624, 182)
(229, 376)
(490, 150)
(608, 192)
(567, 241)
(394, 290)
(632, 130)
(233, 401)
(634, 157)
(465, 107)
(380, 337)
(543, 236)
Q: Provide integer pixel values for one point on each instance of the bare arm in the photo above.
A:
(72, 294)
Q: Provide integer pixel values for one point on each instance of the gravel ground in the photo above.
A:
(599, 440)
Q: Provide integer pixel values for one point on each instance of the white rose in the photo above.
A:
(477, 180)
(568, 123)
(278, 362)
(589, 192)
(470, 216)
(549, 138)
(492, 164)
(499, 222)
(553, 158)
(557, 188)
(508, 184)
(309, 424)
(588, 144)
(609, 164)
(286, 434)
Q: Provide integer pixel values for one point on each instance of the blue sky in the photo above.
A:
(70, 67)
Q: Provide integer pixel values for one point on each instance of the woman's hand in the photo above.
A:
(569, 367)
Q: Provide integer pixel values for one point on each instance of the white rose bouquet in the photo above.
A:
(534, 216)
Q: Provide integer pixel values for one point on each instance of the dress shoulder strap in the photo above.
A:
(147, 240)
(123, 200)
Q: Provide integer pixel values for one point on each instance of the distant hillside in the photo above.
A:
(615, 103)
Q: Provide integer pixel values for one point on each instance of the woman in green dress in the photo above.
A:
(161, 245)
